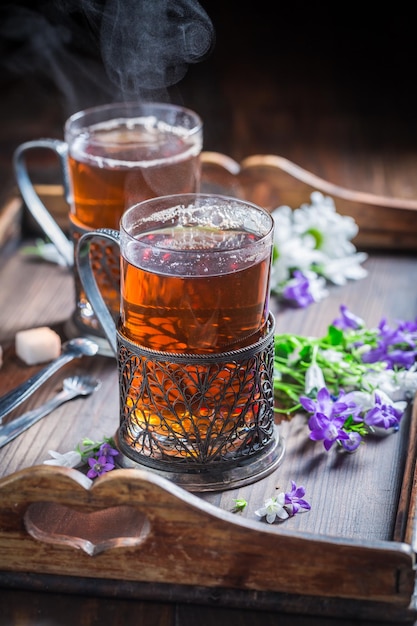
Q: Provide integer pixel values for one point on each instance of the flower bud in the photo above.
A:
(314, 379)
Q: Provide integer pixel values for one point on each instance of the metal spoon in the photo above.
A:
(72, 349)
(72, 387)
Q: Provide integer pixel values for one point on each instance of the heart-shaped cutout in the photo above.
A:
(95, 532)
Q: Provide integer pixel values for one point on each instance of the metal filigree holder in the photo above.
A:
(105, 260)
(204, 421)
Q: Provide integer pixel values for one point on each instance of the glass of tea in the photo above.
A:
(194, 338)
(113, 156)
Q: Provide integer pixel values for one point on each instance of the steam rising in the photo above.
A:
(106, 50)
(149, 44)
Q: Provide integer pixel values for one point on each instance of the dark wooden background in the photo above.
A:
(331, 88)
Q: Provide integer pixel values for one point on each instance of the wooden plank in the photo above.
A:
(384, 222)
(52, 521)
(406, 519)
(11, 220)
(231, 606)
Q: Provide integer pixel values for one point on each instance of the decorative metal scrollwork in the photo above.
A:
(192, 413)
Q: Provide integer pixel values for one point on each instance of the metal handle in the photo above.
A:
(16, 427)
(32, 200)
(16, 396)
(89, 283)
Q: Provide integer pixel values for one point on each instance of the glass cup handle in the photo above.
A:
(32, 200)
(89, 283)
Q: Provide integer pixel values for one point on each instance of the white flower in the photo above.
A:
(314, 379)
(399, 405)
(69, 459)
(407, 381)
(363, 399)
(332, 232)
(292, 254)
(366, 400)
(315, 241)
(400, 385)
(291, 250)
(334, 356)
(317, 286)
(273, 508)
(338, 271)
(283, 224)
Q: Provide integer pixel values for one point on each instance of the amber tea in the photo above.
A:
(199, 303)
(113, 156)
(194, 280)
(118, 155)
(117, 163)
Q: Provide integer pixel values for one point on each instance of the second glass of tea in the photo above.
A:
(113, 156)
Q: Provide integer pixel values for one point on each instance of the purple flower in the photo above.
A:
(348, 320)
(328, 419)
(327, 406)
(107, 451)
(284, 505)
(298, 290)
(400, 358)
(294, 499)
(383, 415)
(99, 466)
(393, 358)
(353, 441)
(395, 346)
(327, 429)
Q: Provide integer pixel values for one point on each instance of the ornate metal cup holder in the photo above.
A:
(204, 421)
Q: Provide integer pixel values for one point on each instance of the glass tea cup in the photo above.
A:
(113, 156)
(194, 338)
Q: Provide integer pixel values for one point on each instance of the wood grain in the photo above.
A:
(235, 553)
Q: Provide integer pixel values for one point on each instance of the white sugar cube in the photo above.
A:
(37, 345)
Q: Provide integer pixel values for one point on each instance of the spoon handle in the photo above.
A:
(19, 394)
(10, 431)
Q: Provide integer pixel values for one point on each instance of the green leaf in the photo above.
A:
(240, 504)
(335, 336)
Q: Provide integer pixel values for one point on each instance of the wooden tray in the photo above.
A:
(135, 534)
(270, 181)
(142, 536)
